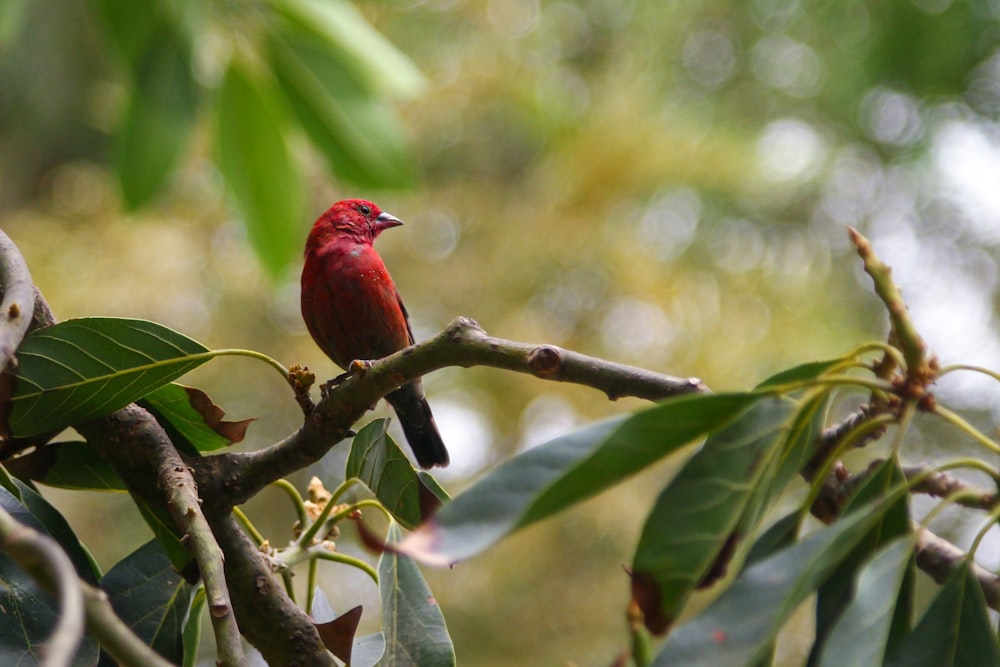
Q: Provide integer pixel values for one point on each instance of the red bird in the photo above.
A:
(353, 310)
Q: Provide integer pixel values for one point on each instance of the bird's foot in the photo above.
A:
(359, 366)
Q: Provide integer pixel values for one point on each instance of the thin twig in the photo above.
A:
(942, 485)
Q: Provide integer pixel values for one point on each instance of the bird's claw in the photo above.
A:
(358, 366)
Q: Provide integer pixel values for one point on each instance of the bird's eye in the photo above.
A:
(364, 209)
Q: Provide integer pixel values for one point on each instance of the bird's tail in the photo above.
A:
(418, 425)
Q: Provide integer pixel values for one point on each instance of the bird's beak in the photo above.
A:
(386, 221)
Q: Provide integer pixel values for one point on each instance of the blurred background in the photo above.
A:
(665, 184)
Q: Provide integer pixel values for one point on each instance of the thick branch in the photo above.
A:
(152, 469)
(282, 632)
(462, 343)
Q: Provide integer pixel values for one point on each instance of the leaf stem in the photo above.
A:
(318, 551)
(963, 425)
(253, 354)
(248, 526)
(296, 498)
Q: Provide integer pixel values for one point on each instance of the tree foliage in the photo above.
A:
(713, 525)
(677, 177)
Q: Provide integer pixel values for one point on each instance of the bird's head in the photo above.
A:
(357, 219)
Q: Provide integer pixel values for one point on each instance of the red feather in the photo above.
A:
(353, 310)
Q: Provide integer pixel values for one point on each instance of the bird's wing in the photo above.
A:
(406, 318)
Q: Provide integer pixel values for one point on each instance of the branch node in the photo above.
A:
(545, 361)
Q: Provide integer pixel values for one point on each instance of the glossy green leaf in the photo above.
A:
(860, 636)
(358, 134)
(372, 59)
(151, 598)
(835, 593)
(33, 510)
(192, 628)
(954, 631)
(808, 371)
(691, 531)
(259, 169)
(7, 480)
(738, 628)
(412, 623)
(69, 465)
(159, 117)
(778, 535)
(786, 460)
(82, 369)
(555, 475)
(28, 614)
(193, 422)
(377, 461)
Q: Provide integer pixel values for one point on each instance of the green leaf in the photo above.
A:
(782, 533)
(786, 460)
(258, 168)
(553, 476)
(412, 623)
(690, 532)
(28, 614)
(33, 510)
(193, 422)
(359, 135)
(356, 46)
(69, 465)
(82, 369)
(192, 628)
(834, 595)
(807, 371)
(159, 117)
(377, 461)
(151, 598)
(7, 480)
(739, 627)
(860, 636)
(955, 629)
(131, 26)
(169, 537)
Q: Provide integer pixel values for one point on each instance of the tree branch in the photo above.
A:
(42, 558)
(142, 454)
(942, 485)
(282, 632)
(140, 451)
(940, 558)
(462, 343)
